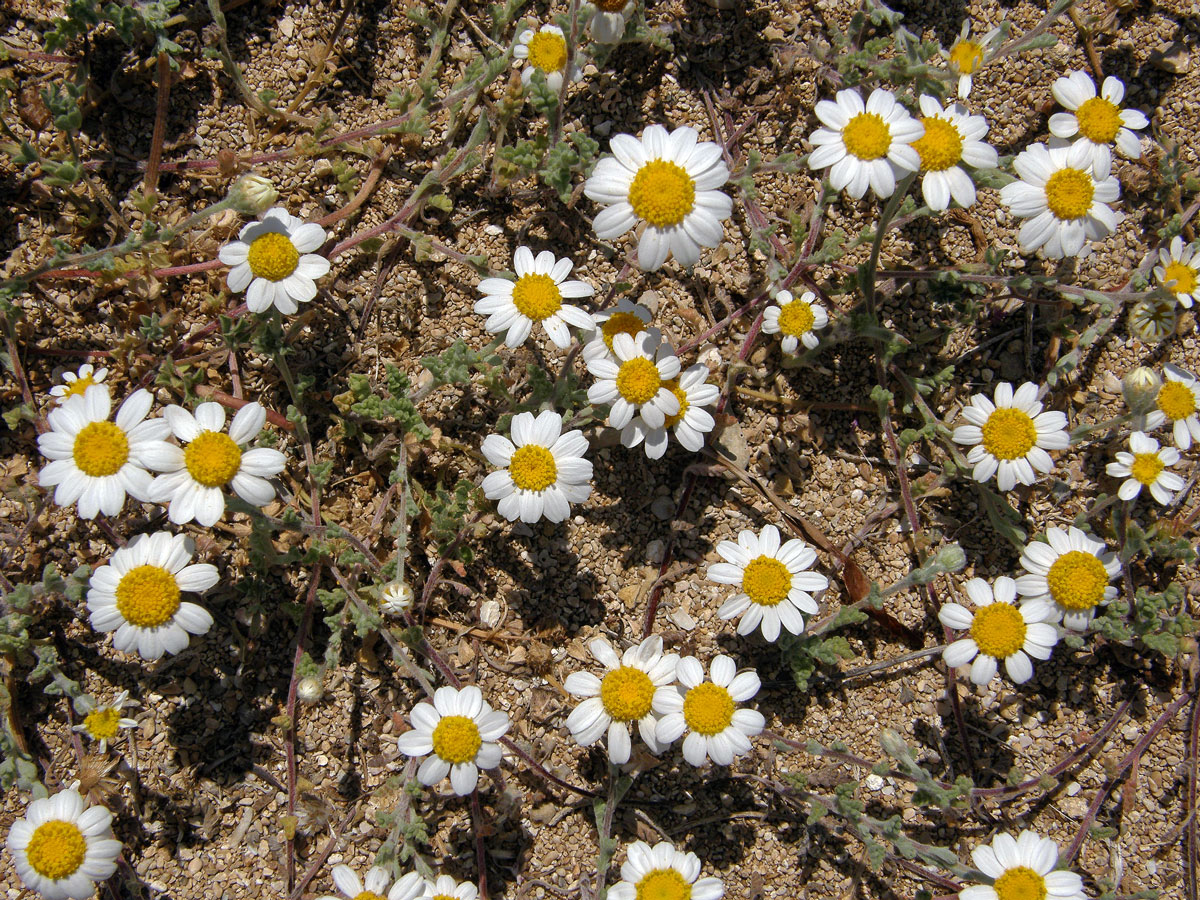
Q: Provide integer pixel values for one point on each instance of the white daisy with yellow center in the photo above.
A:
(1145, 466)
(536, 297)
(75, 383)
(1011, 436)
(459, 731)
(632, 689)
(1071, 571)
(953, 138)
(967, 56)
(1098, 123)
(96, 462)
(346, 880)
(273, 262)
(865, 145)
(663, 873)
(776, 584)
(707, 710)
(1177, 403)
(626, 317)
(62, 847)
(689, 425)
(545, 49)
(607, 24)
(1065, 201)
(1022, 869)
(1178, 271)
(666, 183)
(542, 471)
(998, 631)
(797, 319)
(636, 380)
(138, 595)
(211, 462)
(102, 722)
(446, 888)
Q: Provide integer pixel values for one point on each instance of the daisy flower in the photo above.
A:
(663, 873)
(273, 262)
(707, 711)
(667, 182)
(1097, 122)
(542, 470)
(1177, 402)
(952, 137)
(1154, 319)
(62, 847)
(1146, 467)
(796, 320)
(865, 146)
(775, 582)
(1024, 867)
(545, 49)
(346, 880)
(137, 595)
(460, 731)
(446, 888)
(966, 57)
(607, 25)
(626, 318)
(535, 297)
(212, 460)
(689, 425)
(998, 631)
(76, 383)
(1065, 201)
(96, 462)
(1011, 435)
(1071, 571)
(103, 721)
(636, 380)
(1178, 271)
(634, 686)
(397, 596)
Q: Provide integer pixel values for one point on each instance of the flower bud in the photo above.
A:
(397, 597)
(1140, 389)
(309, 690)
(253, 195)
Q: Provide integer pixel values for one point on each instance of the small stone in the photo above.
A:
(873, 782)
(663, 508)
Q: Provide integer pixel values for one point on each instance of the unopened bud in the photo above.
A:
(1140, 388)
(396, 598)
(309, 690)
(952, 558)
(253, 195)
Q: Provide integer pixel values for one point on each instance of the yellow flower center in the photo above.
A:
(102, 724)
(663, 884)
(532, 468)
(548, 51)
(56, 849)
(1099, 121)
(1184, 277)
(796, 318)
(662, 193)
(444, 897)
(766, 581)
(79, 386)
(867, 136)
(682, 397)
(273, 256)
(1069, 193)
(999, 630)
(621, 323)
(100, 449)
(1077, 580)
(1020, 883)
(1146, 468)
(966, 57)
(1176, 400)
(368, 895)
(456, 739)
(627, 694)
(1009, 434)
(212, 458)
(638, 380)
(708, 709)
(536, 297)
(941, 146)
(147, 596)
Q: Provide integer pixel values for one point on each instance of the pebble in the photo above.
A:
(663, 508)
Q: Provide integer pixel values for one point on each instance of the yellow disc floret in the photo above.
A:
(663, 884)
(796, 318)
(999, 630)
(708, 709)
(100, 449)
(638, 380)
(1176, 400)
(621, 323)
(273, 256)
(532, 468)
(56, 850)
(1020, 883)
(536, 297)
(456, 739)
(548, 51)
(78, 386)
(766, 581)
(102, 724)
(1146, 468)
(1009, 433)
(1077, 580)
(213, 458)
(147, 596)
(1069, 193)
(941, 146)
(662, 193)
(867, 137)
(1184, 277)
(966, 57)
(627, 694)
(368, 895)
(682, 397)
(1099, 121)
